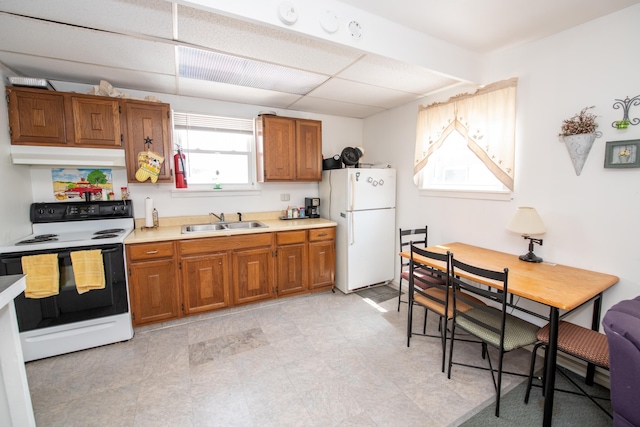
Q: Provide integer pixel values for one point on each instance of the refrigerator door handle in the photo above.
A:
(352, 187)
(352, 231)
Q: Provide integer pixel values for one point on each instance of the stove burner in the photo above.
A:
(38, 239)
(104, 236)
(45, 236)
(110, 231)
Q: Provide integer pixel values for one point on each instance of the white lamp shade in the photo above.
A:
(526, 221)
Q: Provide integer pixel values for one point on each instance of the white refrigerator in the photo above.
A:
(363, 203)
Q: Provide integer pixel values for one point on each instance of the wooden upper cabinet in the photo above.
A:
(147, 121)
(288, 149)
(96, 121)
(308, 150)
(36, 117)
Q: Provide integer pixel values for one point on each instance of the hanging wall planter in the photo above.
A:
(579, 147)
(578, 134)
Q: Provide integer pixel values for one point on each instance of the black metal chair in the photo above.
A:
(492, 326)
(417, 236)
(580, 342)
(430, 288)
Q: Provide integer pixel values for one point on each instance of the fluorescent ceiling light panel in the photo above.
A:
(218, 67)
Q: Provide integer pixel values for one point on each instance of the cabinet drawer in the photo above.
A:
(328, 233)
(291, 237)
(225, 243)
(150, 251)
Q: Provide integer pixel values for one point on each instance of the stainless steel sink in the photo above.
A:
(246, 224)
(220, 226)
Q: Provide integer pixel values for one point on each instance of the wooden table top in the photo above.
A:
(554, 285)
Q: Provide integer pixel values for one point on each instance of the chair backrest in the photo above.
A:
(429, 277)
(416, 236)
(468, 283)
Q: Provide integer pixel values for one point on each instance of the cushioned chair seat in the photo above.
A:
(518, 332)
(579, 341)
(421, 274)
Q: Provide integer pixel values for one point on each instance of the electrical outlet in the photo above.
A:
(284, 197)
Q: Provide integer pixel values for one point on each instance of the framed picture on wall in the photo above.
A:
(622, 154)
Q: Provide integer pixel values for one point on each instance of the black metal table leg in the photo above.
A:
(550, 361)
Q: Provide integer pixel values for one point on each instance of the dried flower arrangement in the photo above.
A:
(583, 122)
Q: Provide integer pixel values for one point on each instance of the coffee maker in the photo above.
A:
(312, 207)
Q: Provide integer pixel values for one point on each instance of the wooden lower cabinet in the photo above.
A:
(205, 282)
(322, 257)
(253, 275)
(154, 291)
(171, 279)
(291, 262)
(153, 282)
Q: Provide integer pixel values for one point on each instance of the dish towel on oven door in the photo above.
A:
(88, 270)
(43, 276)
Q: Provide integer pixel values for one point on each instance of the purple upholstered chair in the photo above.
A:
(622, 326)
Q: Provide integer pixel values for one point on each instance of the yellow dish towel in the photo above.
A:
(88, 270)
(43, 276)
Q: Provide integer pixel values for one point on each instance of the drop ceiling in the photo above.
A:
(133, 44)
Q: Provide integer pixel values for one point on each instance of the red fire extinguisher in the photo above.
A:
(178, 165)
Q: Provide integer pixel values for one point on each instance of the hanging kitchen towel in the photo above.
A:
(43, 276)
(88, 270)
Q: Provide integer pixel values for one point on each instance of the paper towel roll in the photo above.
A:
(148, 212)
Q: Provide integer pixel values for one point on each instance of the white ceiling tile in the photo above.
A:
(267, 44)
(227, 92)
(150, 17)
(23, 35)
(384, 72)
(336, 108)
(361, 93)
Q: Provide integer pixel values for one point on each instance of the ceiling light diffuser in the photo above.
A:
(218, 67)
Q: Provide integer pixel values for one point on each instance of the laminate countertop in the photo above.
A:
(171, 228)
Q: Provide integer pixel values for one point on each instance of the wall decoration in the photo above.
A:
(626, 104)
(69, 183)
(622, 154)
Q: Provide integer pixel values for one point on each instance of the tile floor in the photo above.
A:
(323, 359)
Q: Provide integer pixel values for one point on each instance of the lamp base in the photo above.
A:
(530, 257)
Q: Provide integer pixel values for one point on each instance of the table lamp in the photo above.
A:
(526, 221)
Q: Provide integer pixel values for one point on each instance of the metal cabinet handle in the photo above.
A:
(152, 252)
(322, 235)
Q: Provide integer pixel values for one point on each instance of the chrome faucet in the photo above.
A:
(240, 216)
(220, 218)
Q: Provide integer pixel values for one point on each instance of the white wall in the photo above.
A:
(337, 133)
(15, 188)
(591, 219)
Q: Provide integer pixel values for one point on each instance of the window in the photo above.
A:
(468, 142)
(218, 150)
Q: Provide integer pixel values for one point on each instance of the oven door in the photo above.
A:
(69, 306)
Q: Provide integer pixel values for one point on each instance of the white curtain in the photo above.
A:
(486, 119)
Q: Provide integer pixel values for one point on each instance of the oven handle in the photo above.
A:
(67, 253)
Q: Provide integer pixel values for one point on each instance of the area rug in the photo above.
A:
(379, 294)
(568, 409)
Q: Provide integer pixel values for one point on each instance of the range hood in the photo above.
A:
(67, 156)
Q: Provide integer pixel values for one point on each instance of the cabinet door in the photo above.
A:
(278, 156)
(154, 291)
(36, 117)
(205, 281)
(148, 121)
(252, 275)
(291, 269)
(322, 261)
(308, 150)
(96, 122)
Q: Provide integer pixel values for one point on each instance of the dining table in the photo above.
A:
(556, 286)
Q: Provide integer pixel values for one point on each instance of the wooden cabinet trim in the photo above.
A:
(224, 243)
